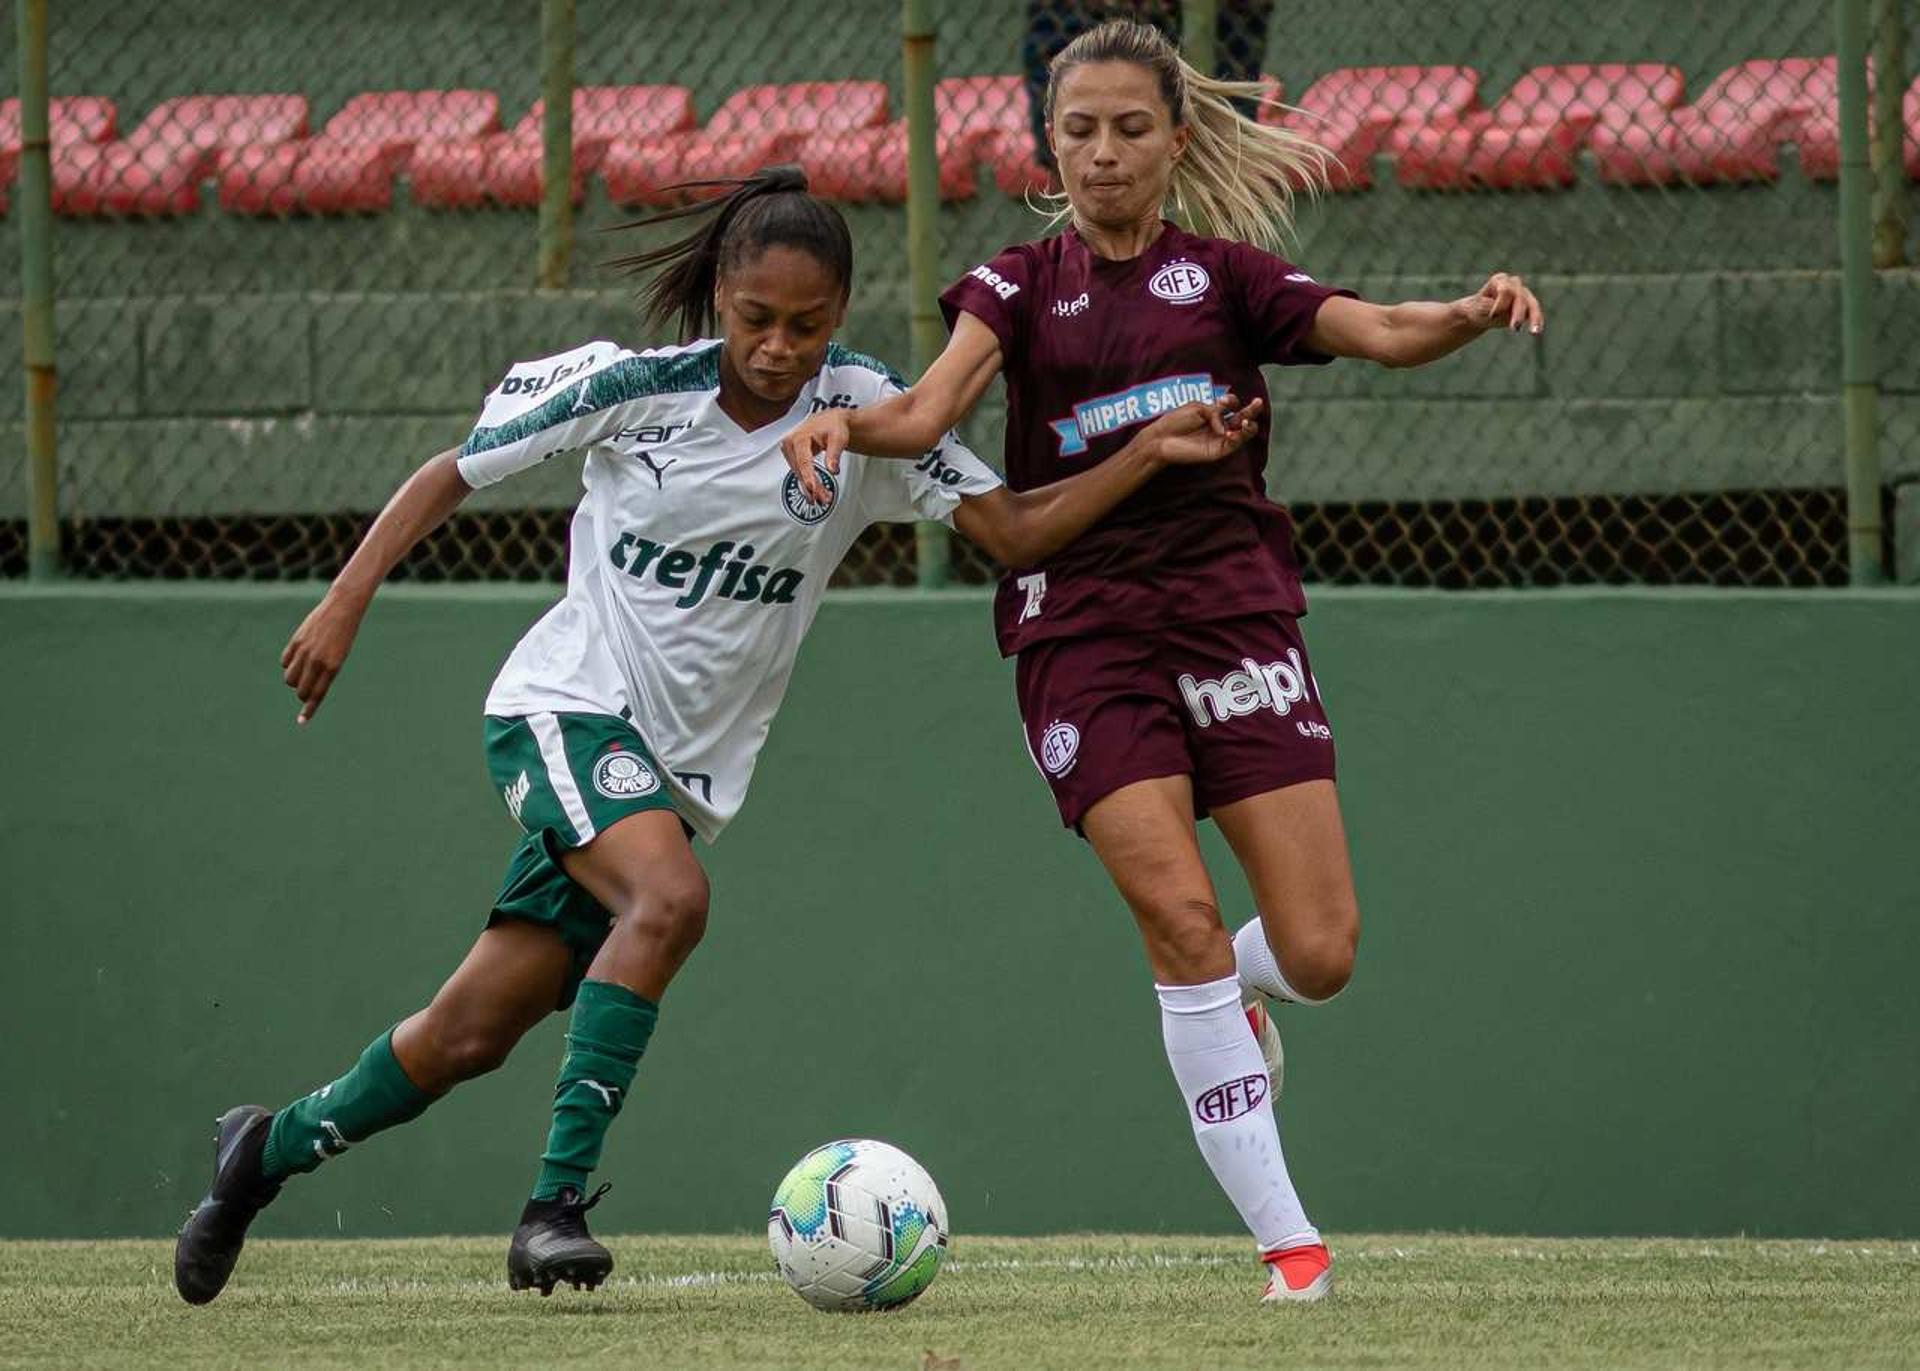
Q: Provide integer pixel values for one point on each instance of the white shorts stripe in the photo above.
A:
(546, 732)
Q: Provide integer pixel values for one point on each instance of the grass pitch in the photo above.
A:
(1025, 1304)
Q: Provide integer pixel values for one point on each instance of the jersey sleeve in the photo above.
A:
(1278, 302)
(541, 408)
(998, 293)
(900, 490)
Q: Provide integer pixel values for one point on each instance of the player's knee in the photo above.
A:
(1192, 942)
(670, 913)
(463, 1048)
(1320, 965)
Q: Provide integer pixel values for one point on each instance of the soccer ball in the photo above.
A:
(857, 1225)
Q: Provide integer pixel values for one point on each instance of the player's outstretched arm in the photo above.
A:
(903, 425)
(1421, 331)
(318, 648)
(1024, 528)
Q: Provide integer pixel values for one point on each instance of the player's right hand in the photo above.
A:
(819, 438)
(1202, 431)
(317, 651)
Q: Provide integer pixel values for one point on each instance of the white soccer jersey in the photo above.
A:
(695, 562)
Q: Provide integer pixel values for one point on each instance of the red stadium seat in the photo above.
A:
(1530, 139)
(1016, 171)
(757, 125)
(969, 110)
(351, 165)
(158, 168)
(803, 107)
(505, 167)
(1732, 132)
(640, 173)
(70, 119)
(1819, 134)
(453, 173)
(871, 164)
(1358, 112)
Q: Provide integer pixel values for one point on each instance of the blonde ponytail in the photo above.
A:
(1237, 178)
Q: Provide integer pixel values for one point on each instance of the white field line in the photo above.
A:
(1578, 1251)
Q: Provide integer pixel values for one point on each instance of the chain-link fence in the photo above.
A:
(294, 247)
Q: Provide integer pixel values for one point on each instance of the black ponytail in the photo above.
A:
(771, 207)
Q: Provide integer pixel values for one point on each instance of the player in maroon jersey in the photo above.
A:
(1161, 672)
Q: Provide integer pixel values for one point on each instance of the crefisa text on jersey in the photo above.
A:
(740, 579)
(535, 385)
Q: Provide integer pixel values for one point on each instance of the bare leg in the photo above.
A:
(644, 871)
(1293, 848)
(1143, 834)
(509, 981)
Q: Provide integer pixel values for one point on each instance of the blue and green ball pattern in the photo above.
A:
(913, 1233)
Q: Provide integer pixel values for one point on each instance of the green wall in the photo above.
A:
(1636, 871)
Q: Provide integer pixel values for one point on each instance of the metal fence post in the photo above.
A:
(931, 549)
(36, 295)
(1887, 134)
(556, 144)
(1859, 392)
(1197, 21)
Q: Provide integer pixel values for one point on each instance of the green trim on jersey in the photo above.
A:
(838, 356)
(634, 378)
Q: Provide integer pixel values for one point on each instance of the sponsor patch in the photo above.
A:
(799, 506)
(1059, 748)
(1180, 283)
(622, 775)
(1277, 686)
(1231, 1099)
(999, 284)
(1122, 409)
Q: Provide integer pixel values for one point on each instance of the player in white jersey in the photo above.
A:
(629, 718)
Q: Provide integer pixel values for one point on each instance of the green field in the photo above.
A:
(1415, 1301)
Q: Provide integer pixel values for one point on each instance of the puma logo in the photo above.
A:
(659, 469)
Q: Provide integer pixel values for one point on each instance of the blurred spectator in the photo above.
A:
(1239, 43)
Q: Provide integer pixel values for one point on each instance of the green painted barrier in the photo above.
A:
(1636, 870)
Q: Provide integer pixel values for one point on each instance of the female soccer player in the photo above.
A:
(629, 717)
(1161, 671)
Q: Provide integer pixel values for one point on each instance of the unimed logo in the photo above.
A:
(1231, 1099)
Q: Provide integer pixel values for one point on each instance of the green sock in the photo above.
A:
(375, 1094)
(605, 1038)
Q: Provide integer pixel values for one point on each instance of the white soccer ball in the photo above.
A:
(858, 1225)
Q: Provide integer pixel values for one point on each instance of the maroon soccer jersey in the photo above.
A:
(1091, 350)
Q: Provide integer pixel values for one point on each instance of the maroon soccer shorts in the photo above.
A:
(1230, 702)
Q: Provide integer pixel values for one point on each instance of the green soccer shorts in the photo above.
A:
(566, 777)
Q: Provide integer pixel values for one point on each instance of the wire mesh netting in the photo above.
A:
(294, 248)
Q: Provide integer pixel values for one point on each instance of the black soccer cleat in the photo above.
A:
(209, 1244)
(552, 1246)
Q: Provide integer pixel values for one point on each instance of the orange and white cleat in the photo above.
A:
(1267, 1034)
(1299, 1274)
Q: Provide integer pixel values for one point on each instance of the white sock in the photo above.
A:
(1259, 969)
(1223, 1084)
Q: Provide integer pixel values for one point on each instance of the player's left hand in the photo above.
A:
(819, 439)
(1202, 431)
(1505, 299)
